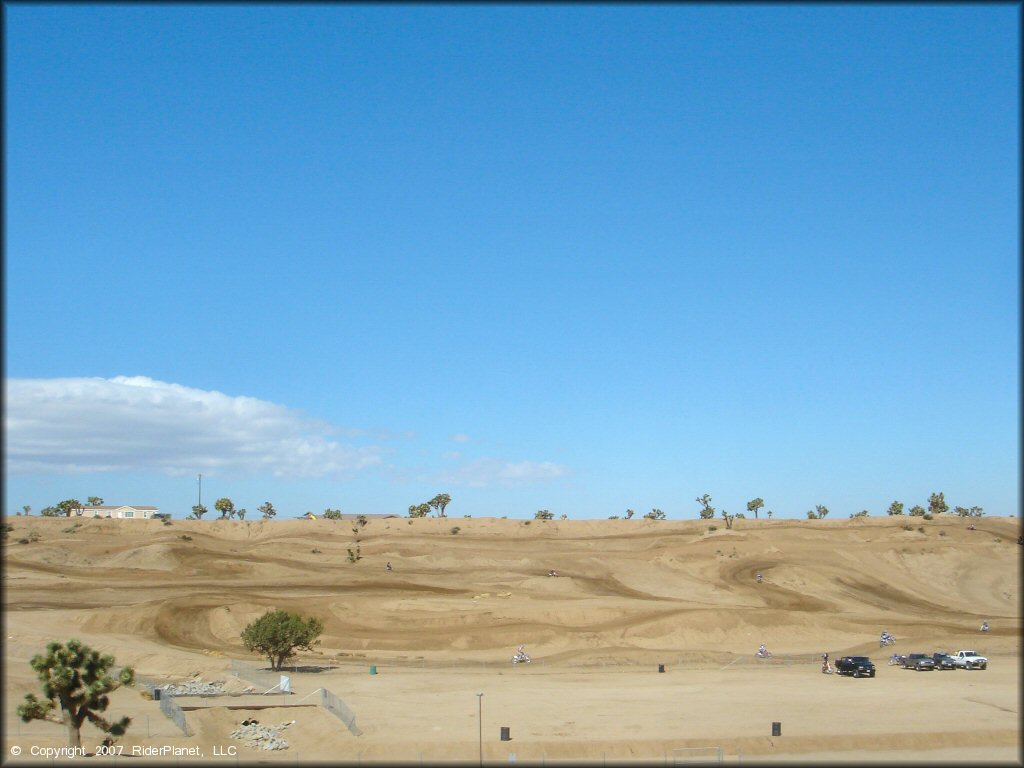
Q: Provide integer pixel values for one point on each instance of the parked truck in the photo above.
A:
(970, 660)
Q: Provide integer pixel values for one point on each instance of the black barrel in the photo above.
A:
(156, 694)
(505, 736)
(661, 667)
(776, 729)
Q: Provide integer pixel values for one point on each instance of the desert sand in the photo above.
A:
(172, 600)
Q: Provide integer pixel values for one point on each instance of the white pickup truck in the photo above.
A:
(969, 660)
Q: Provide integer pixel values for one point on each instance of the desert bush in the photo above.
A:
(613, 517)
(543, 514)
(278, 634)
(908, 527)
(315, 552)
(332, 514)
(712, 528)
(185, 537)
(942, 533)
(655, 514)
(920, 529)
(455, 529)
(927, 516)
(526, 522)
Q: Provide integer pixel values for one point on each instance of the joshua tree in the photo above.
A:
(822, 511)
(543, 514)
(439, 502)
(198, 510)
(27, 509)
(68, 506)
(94, 501)
(75, 678)
(917, 510)
(937, 504)
(629, 513)
(755, 504)
(419, 510)
(655, 514)
(267, 510)
(708, 511)
(241, 513)
(896, 508)
(728, 519)
(225, 506)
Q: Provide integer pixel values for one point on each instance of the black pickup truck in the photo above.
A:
(858, 666)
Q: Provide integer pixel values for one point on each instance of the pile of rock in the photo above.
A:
(197, 687)
(261, 736)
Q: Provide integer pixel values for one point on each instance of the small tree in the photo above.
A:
(917, 510)
(769, 513)
(75, 678)
(225, 506)
(361, 521)
(419, 510)
(629, 513)
(862, 513)
(50, 512)
(708, 511)
(331, 514)
(439, 502)
(27, 509)
(728, 519)
(241, 513)
(755, 504)
(267, 510)
(655, 514)
(822, 511)
(896, 508)
(962, 511)
(543, 514)
(279, 634)
(198, 510)
(977, 512)
(937, 504)
(68, 506)
(563, 516)
(94, 501)
(812, 515)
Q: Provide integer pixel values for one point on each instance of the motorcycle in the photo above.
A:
(885, 640)
(763, 653)
(895, 660)
(521, 656)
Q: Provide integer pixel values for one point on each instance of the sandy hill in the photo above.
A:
(626, 588)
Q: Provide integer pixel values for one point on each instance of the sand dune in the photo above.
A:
(172, 600)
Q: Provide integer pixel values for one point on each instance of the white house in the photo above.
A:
(122, 512)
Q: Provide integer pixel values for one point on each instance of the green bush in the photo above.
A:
(455, 530)
(279, 634)
(185, 537)
(712, 528)
(908, 527)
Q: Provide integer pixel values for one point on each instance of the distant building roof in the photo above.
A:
(117, 506)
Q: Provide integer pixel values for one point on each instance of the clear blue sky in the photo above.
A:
(561, 257)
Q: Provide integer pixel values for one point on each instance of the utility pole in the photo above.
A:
(480, 721)
(200, 489)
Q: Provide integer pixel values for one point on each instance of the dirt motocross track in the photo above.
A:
(441, 627)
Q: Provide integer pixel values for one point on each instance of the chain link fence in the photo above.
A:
(337, 707)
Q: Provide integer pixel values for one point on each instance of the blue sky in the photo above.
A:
(576, 258)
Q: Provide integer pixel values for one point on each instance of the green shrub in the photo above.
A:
(455, 530)
(277, 635)
(315, 551)
(942, 533)
(712, 528)
(185, 537)
(908, 527)
(927, 515)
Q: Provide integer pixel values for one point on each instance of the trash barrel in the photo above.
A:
(661, 667)
(505, 736)
(373, 669)
(776, 729)
(156, 694)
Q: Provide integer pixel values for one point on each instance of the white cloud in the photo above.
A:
(139, 424)
(459, 437)
(482, 473)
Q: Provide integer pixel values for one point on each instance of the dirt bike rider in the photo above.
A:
(984, 626)
(826, 668)
(763, 652)
(758, 577)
